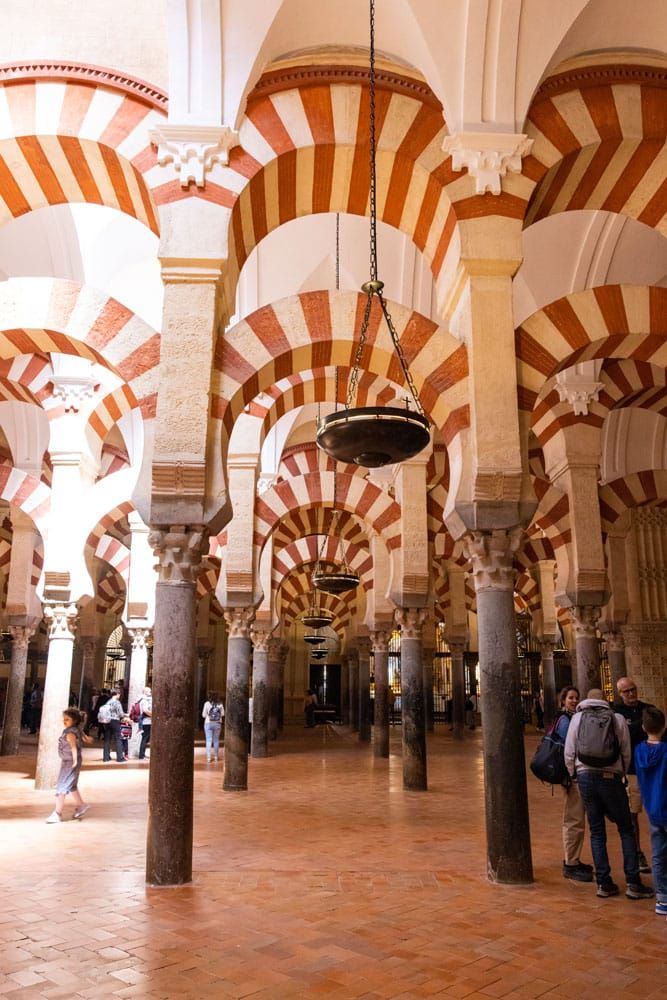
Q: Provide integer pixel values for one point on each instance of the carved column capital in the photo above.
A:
(239, 621)
(139, 637)
(487, 156)
(180, 552)
(364, 647)
(457, 647)
(380, 640)
(193, 149)
(615, 642)
(274, 645)
(260, 639)
(21, 635)
(584, 621)
(492, 554)
(411, 622)
(547, 647)
(61, 619)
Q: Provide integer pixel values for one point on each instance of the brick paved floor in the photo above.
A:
(326, 879)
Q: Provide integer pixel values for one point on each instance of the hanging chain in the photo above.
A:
(354, 374)
(373, 185)
(337, 252)
(410, 382)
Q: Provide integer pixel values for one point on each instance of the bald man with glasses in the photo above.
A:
(631, 708)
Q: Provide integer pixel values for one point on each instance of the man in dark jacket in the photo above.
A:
(632, 708)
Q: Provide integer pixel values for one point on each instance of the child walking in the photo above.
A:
(651, 764)
(69, 751)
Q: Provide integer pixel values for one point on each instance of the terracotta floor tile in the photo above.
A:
(325, 880)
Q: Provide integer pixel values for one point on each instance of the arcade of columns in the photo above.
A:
(132, 458)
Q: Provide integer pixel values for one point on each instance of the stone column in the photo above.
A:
(284, 651)
(138, 671)
(380, 641)
(236, 704)
(584, 621)
(615, 642)
(170, 789)
(88, 659)
(364, 647)
(411, 621)
(344, 691)
(274, 685)
(429, 708)
(21, 635)
(549, 682)
(61, 619)
(353, 669)
(261, 693)
(507, 828)
(457, 650)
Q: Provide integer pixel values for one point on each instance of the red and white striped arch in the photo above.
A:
(20, 489)
(355, 495)
(66, 140)
(315, 329)
(115, 553)
(305, 554)
(599, 143)
(619, 321)
(110, 595)
(290, 606)
(112, 522)
(316, 521)
(638, 489)
(300, 459)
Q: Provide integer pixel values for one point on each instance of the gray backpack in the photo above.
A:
(597, 741)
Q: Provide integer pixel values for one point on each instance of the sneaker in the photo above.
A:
(661, 908)
(54, 818)
(578, 872)
(81, 811)
(644, 866)
(606, 889)
(636, 890)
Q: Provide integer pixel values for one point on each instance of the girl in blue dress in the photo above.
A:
(69, 751)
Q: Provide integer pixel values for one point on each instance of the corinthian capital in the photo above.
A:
(139, 636)
(584, 621)
(239, 621)
(260, 639)
(61, 619)
(180, 552)
(411, 622)
(21, 635)
(492, 554)
(380, 640)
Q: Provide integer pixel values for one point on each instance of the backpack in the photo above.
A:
(597, 742)
(548, 763)
(215, 713)
(135, 711)
(104, 714)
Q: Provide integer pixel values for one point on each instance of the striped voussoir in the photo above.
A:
(637, 489)
(610, 321)
(20, 489)
(599, 143)
(6, 535)
(313, 547)
(64, 141)
(526, 593)
(317, 329)
(315, 521)
(110, 593)
(297, 460)
(378, 511)
(442, 595)
(115, 553)
(112, 522)
(343, 608)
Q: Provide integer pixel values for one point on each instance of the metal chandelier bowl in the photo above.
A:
(335, 582)
(313, 640)
(372, 436)
(317, 618)
(318, 654)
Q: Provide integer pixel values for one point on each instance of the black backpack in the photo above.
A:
(215, 713)
(548, 763)
(597, 742)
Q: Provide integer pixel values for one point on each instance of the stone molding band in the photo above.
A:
(273, 81)
(596, 76)
(86, 73)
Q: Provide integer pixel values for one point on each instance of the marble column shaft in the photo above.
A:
(584, 621)
(551, 706)
(274, 684)
(364, 691)
(88, 656)
(509, 857)
(170, 788)
(457, 650)
(412, 699)
(380, 640)
(429, 702)
(615, 643)
(61, 619)
(239, 648)
(11, 732)
(261, 694)
(344, 691)
(353, 668)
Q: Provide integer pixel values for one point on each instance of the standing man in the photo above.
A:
(632, 709)
(146, 708)
(597, 754)
(114, 713)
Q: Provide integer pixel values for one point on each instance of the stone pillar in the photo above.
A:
(274, 685)
(236, 704)
(615, 643)
(429, 708)
(411, 621)
(380, 641)
(353, 668)
(284, 651)
(364, 647)
(507, 827)
(261, 693)
(584, 621)
(61, 619)
(344, 691)
(169, 841)
(137, 682)
(88, 659)
(11, 732)
(457, 650)
(551, 705)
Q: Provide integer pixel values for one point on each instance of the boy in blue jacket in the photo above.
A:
(651, 764)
